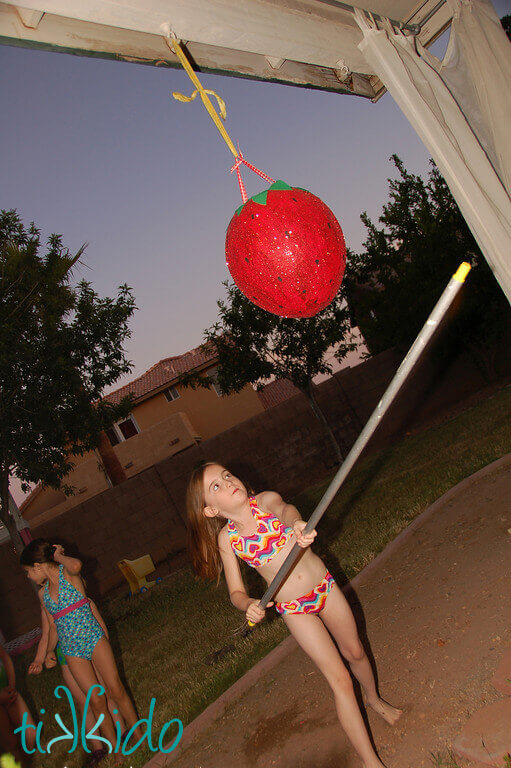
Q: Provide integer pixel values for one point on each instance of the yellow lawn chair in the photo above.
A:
(135, 572)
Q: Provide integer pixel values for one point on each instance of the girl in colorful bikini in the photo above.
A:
(226, 523)
(82, 640)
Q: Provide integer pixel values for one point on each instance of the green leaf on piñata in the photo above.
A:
(261, 197)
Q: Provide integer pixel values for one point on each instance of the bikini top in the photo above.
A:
(69, 598)
(260, 548)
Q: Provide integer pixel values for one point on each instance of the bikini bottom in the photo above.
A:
(314, 602)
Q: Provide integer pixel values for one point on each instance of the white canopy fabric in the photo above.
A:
(477, 71)
(406, 70)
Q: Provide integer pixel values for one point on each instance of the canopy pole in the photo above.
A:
(395, 385)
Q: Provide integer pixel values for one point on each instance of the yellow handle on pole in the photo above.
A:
(462, 271)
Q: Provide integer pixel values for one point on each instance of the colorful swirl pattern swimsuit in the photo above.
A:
(260, 548)
(77, 629)
(314, 602)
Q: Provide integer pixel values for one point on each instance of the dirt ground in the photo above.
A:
(436, 613)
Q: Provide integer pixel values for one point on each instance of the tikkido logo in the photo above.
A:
(78, 734)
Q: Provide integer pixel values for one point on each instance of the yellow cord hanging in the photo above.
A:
(221, 102)
(175, 47)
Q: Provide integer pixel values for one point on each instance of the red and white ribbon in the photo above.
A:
(236, 167)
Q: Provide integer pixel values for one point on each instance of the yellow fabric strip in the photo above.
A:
(175, 47)
(221, 102)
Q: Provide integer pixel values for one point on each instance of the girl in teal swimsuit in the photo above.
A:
(49, 654)
(81, 638)
(227, 524)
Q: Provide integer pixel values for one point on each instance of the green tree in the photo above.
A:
(395, 282)
(60, 347)
(506, 23)
(254, 346)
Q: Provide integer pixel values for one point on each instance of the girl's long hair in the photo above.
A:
(202, 531)
(38, 551)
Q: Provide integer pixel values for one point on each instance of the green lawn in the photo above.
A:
(164, 640)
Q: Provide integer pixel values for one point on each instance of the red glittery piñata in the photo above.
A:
(285, 251)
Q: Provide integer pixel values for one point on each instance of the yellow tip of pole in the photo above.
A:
(251, 624)
(462, 272)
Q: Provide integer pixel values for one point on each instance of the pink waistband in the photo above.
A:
(70, 608)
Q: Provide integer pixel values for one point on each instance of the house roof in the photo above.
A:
(164, 372)
(277, 392)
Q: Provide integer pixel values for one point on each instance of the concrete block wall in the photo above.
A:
(130, 520)
(19, 604)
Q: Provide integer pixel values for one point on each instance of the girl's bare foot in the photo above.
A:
(387, 711)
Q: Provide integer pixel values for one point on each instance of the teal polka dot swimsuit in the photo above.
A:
(78, 631)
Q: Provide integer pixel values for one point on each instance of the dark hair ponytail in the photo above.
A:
(38, 551)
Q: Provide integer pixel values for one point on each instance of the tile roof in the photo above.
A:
(164, 372)
(277, 392)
